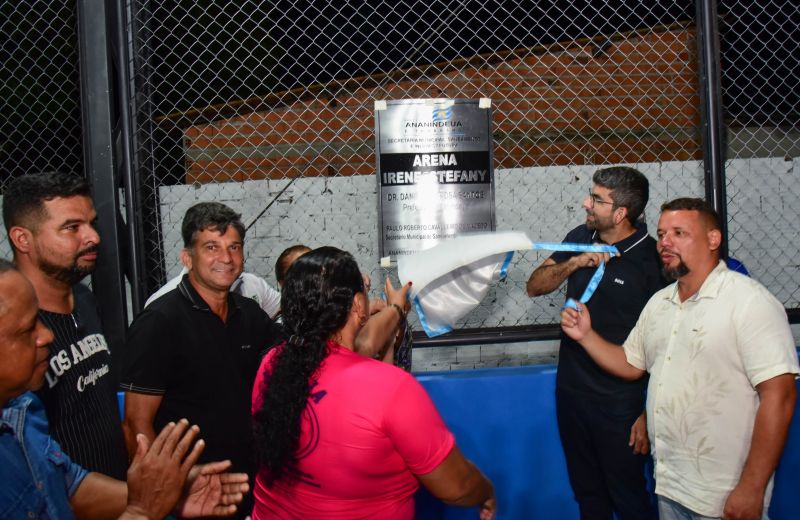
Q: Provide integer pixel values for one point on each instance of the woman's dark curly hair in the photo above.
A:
(316, 298)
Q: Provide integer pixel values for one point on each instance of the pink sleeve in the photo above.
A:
(416, 428)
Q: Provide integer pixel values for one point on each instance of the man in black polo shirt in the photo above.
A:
(600, 417)
(195, 351)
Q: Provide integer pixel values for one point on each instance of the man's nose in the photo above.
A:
(91, 235)
(225, 255)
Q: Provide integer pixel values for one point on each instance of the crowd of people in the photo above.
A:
(304, 395)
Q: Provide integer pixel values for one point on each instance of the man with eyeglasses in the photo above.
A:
(600, 417)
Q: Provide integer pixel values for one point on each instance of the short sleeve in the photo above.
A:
(416, 428)
(167, 287)
(270, 299)
(73, 473)
(764, 338)
(634, 344)
(147, 355)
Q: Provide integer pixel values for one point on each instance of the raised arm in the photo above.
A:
(777, 400)
(550, 275)
(380, 331)
(458, 482)
(611, 358)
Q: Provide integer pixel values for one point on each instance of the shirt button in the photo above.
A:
(669, 358)
(31, 515)
(39, 486)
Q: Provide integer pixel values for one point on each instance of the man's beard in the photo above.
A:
(598, 225)
(672, 274)
(71, 274)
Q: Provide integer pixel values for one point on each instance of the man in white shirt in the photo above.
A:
(722, 364)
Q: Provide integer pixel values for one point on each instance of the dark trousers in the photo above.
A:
(605, 475)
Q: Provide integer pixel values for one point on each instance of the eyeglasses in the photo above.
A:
(595, 199)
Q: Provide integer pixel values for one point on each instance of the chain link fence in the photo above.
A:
(40, 118)
(268, 107)
(760, 78)
(39, 99)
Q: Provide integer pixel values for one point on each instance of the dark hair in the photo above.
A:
(316, 299)
(213, 215)
(629, 188)
(694, 204)
(282, 263)
(24, 198)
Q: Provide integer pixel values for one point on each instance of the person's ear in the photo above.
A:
(186, 258)
(21, 239)
(358, 304)
(360, 307)
(714, 239)
(620, 214)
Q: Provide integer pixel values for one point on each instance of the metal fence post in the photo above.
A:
(711, 123)
(136, 261)
(99, 160)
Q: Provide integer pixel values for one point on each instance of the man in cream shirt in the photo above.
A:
(722, 364)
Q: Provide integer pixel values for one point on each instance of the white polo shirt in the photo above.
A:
(248, 285)
(705, 357)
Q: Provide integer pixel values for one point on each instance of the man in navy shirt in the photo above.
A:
(41, 481)
(600, 417)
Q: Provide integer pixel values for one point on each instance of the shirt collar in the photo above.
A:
(188, 291)
(710, 288)
(13, 415)
(638, 236)
(627, 243)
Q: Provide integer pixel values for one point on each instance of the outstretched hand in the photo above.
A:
(576, 323)
(210, 491)
(165, 472)
(158, 471)
(397, 296)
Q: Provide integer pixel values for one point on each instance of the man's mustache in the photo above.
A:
(90, 249)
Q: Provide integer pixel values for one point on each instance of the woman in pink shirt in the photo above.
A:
(343, 436)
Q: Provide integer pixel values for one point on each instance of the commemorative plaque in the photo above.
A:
(435, 176)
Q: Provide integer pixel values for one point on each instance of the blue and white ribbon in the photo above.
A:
(581, 248)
